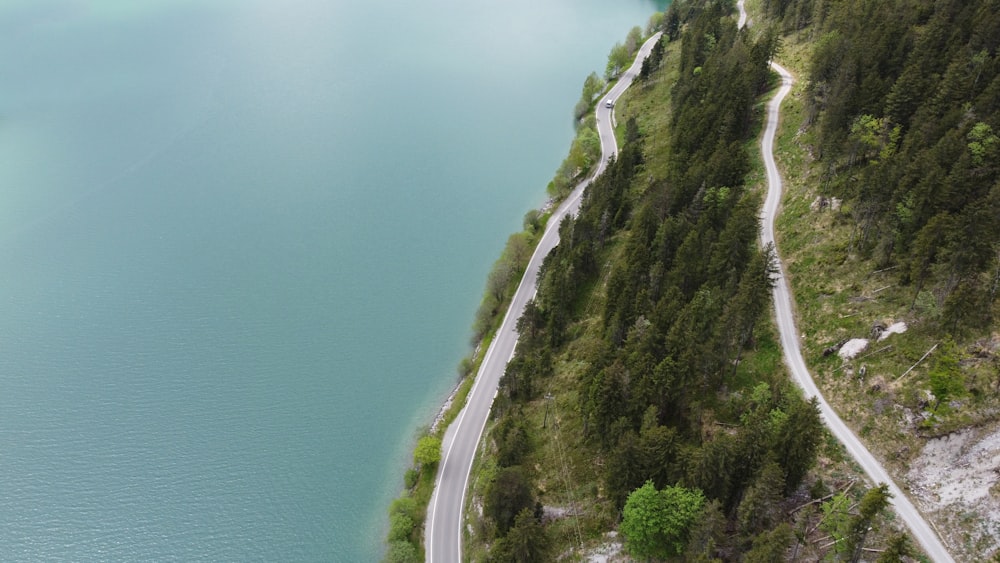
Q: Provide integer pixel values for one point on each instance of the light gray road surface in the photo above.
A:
(443, 533)
(793, 353)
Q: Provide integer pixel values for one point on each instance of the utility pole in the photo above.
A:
(548, 401)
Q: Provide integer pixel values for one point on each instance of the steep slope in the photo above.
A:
(647, 380)
(919, 527)
(444, 520)
(889, 220)
(646, 368)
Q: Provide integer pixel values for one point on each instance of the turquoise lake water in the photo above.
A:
(241, 244)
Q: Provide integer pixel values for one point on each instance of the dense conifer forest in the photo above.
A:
(654, 293)
(905, 102)
(648, 352)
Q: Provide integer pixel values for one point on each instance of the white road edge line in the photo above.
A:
(560, 213)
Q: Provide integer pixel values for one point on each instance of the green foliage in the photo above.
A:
(633, 40)
(404, 515)
(818, 489)
(583, 154)
(713, 108)
(621, 54)
(875, 138)
(656, 523)
(982, 143)
(502, 282)
(533, 221)
(643, 316)
(428, 451)
(512, 439)
(904, 101)
(945, 374)
(652, 455)
(759, 510)
(508, 494)
(618, 60)
(525, 542)
(655, 23)
(771, 546)
(400, 527)
(707, 536)
(800, 436)
(585, 150)
(592, 87)
(407, 506)
(850, 531)
(654, 60)
(899, 548)
(410, 478)
(837, 520)
(872, 505)
(402, 552)
(522, 378)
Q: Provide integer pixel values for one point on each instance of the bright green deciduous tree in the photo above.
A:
(655, 523)
(981, 142)
(428, 451)
(618, 59)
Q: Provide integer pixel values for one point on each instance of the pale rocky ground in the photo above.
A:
(956, 479)
(852, 348)
(894, 328)
(609, 552)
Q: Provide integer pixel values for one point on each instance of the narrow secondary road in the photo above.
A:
(793, 353)
(443, 534)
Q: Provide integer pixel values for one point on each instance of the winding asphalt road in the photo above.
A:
(793, 353)
(443, 534)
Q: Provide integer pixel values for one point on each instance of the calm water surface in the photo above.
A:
(240, 246)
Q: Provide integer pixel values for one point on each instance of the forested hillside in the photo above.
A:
(904, 99)
(646, 393)
(893, 216)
